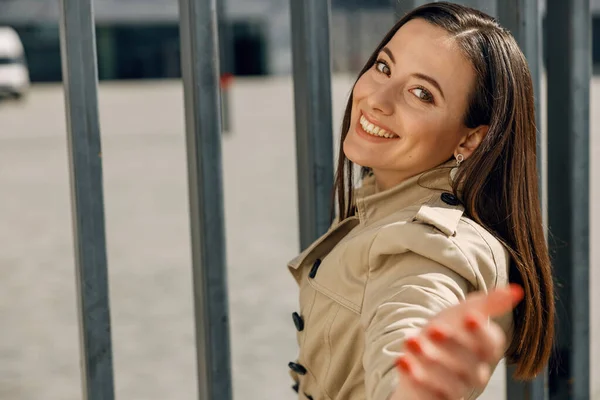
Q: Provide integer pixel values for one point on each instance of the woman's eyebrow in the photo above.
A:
(430, 80)
(390, 55)
(417, 74)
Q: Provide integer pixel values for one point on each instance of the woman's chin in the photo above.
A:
(360, 161)
(358, 155)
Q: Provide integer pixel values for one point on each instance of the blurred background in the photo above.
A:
(146, 198)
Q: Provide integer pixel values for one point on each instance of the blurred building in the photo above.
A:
(139, 39)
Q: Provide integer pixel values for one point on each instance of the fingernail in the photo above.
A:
(403, 365)
(413, 345)
(471, 323)
(517, 293)
(437, 335)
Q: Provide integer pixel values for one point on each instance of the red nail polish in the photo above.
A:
(413, 345)
(437, 335)
(403, 365)
(471, 323)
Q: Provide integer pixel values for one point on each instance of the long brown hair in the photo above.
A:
(499, 182)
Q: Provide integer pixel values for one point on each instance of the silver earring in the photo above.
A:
(459, 159)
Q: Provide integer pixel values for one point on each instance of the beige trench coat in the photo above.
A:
(376, 278)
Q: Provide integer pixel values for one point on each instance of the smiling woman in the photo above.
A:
(416, 270)
(418, 88)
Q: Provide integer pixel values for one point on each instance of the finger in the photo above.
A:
(458, 353)
(423, 392)
(488, 339)
(453, 336)
(414, 379)
(497, 302)
(431, 352)
(409, 388)
(446, 373)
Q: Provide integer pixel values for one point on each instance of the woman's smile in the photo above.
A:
(374, 130)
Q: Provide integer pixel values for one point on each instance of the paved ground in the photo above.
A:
(148, 243)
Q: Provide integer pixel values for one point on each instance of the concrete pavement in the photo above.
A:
(148, 242)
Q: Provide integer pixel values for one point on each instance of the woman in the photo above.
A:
(416, 271)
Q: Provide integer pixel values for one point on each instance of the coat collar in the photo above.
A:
(372, 205)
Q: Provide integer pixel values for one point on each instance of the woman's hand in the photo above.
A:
(453, 353)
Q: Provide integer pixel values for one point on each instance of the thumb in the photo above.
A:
(497, 302)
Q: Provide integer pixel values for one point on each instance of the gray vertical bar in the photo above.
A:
(472, 3)
(225, 58)
(403, 6)
(568, 32)
(354, 39)
(200, 70)
(312, 96)
(80, 77)
(523, 18)
(488, 7)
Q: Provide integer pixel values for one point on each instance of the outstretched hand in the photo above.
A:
(453, 353)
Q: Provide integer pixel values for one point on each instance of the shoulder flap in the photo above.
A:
(440, 214)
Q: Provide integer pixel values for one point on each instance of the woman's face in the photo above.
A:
(408, 108)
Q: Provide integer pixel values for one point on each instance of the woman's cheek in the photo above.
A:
(369, 83)
(361, 88)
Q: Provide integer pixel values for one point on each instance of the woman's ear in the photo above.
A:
(471, 141)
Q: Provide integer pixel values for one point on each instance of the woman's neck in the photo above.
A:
(387, 179)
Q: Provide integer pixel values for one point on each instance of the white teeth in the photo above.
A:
(373, 129)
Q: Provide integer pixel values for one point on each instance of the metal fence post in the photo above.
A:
(200, 71)
(313, 113)
(569, 75)
(225, 58)
(80, 77)
(523, 18)
(402, 7)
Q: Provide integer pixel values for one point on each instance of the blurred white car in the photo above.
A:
(14, 74)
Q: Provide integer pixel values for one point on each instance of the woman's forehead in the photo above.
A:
(425, 41)
(421, 47)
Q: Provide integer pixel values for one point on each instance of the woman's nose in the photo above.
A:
(382, 100)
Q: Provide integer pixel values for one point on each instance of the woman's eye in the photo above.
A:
(382, 67)
(423, 94)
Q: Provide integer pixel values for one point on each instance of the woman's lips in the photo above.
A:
(367, 126)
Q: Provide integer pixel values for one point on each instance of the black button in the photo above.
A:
(298, 321)
(450, 199)
(315, 267)
(297, 368)
(296, 387)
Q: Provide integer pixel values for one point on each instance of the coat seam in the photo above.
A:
(467, 261)
(489, 248)
(369, 269)
(335, 297)
(369, 278)
(328, 336)
(312, 306)
(314, 379)
(423, 289)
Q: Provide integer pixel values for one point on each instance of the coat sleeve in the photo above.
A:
(406, 288)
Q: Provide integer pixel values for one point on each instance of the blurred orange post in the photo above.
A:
(226, 81)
